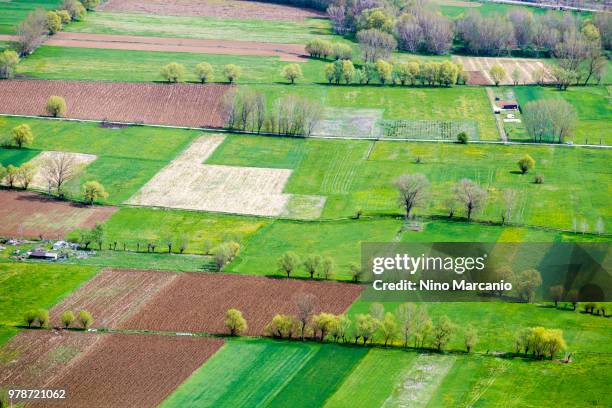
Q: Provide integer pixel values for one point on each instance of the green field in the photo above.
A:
(127, 157)
(593, 106)
(12, 12)
(51, 62)
(248, 373)
(25, 287)
(204, 27)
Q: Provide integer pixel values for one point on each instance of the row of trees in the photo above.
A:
(13, 176)
(41, 318)
(403, 73)
(39, 23)
(539, 342)
(550, 120)
(290, 115)
(314, 265)
(175, 72)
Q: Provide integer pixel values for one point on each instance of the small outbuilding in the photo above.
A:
(46, 255)
(508, 104)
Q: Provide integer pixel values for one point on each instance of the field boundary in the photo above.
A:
(246, 132)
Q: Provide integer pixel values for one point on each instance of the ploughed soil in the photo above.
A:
(192, 105)
(132, 370)
(30, 215)
(197, 302)
(286, 52)
(213, 8)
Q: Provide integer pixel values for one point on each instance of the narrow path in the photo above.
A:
(553, 6)
(498, 119)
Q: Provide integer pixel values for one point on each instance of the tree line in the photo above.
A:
(40, 318)
(408, 326)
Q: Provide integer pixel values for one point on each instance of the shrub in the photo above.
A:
(342, 51)
(75, 8)
(30, 317)
(317, 48)
(462, 138)
(56, 106)
(539, 179)
(64, 16)
(292, 72)
(235, 322)
(67, 318)
(22, 135)
(42, 317)
(92, 191)
(173, 72)
(90, 4)
(8, 61)
(204, 71)
(85, 319)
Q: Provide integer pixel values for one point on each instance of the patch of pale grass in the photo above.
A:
(187, 183)
(78, 160)
(526, 68)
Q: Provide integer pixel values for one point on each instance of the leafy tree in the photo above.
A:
(90, 4)
(556, 293)
(54, 22)
(223, 254)
(42, 317)
(8, 61)
(498, 73)
(324, 324)
(516, 76)
(56, 106)
(526, 163)
(375, 18)
(93, 191)
(330, 72)
(422, 326)
(470, 338)
(98, 234)
(85, 319)
(318, 48)
(25, 174)
(405, 313)
(442, 332)
(231, 72)
(384, 70)
(292, 72)
(311, 264)
(173, 72)
(341, 51)
(288, 262)
(388, 328)
(402, 72)
(64, 15)
(527, 283)
(67, 318)
(348, 71)
(22, 135)
(11, 175)
(471, 195)
(30, 317)
(204, 71)
(365, 327)
(341, 327)
(235, 322)
(327, 267)
(355, 271)
(281, 326)
(377, 311)
(412, 190)
(75, 8)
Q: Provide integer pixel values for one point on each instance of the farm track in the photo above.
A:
(286, 52)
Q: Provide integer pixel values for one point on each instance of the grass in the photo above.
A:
(373, 379)
(150, 225)
(204, 27)
(358, 175)
(51, 62)
(12, 12)
(26, 287)
(593, 106)
(266, 373)
(127, 157)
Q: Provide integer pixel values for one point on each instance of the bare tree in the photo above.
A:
(412, 190)
(58, 169)
(31, 32)
(305, 304)
(409, 33)
(471, 195)
(376, 44)
(437, 32)
(508, 204)
(550, 120)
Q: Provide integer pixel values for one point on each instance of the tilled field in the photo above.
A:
(33, 358)
(113, 296)
(191, 105)
(479, 67)
(197, 302)
(212, 8)
(132, 370)
(30, 215)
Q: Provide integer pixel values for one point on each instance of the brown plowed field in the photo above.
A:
(35, 357)
(212, 8)
(30, 215)
(132, 370)
(163, 104)
(286, 52)
(113, 296)
(197, 302)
